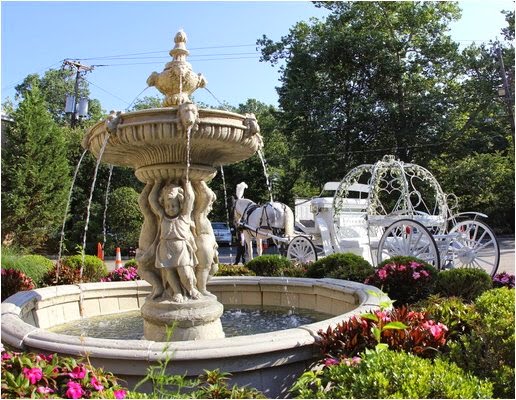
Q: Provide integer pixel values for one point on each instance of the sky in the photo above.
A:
(128, 40)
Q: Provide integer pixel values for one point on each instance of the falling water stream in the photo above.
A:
(106, 200)
(136, 98)
(264, 165)
(61, 241)
(226, 205)
(101, 152)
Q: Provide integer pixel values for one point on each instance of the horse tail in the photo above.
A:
(289, 222)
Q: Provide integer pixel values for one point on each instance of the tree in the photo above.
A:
(373, 78)
(124, 217)
(35, 174)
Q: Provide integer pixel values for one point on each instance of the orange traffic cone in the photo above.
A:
(100, 251)
(118, 259)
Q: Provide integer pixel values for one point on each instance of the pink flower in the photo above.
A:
(119, 394)
(78, 372)
(424, 273)
(96, 385)
(437, 330)
(402, 267)
(331, 361)
(382, 274)
(74, 391)
(416, 275)
(44, 357)
(33, 374)
(6, 356)
(44, 390)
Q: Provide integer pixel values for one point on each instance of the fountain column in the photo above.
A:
(175, 150)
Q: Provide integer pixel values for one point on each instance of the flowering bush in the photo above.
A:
(50, 376)
(14, 281)
(503, 279)
(122, 274)
(404, 279)
(400, 329)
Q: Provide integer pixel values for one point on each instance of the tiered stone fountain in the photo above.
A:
(175, 150)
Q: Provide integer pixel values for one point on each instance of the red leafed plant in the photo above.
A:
(400, 329)
(14, 281)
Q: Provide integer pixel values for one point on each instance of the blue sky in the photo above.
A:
(221, 37)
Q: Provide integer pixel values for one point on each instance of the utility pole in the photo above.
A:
(507, 95)
(80, 69)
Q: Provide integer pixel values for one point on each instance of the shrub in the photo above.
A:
(234, 270)
(268, 265)
(122, 274)
(503, 279)
(67, 276)
(94, 268)
(450, 311)
(34, 266)
(29, 375)
(488, 350)
(14, 281)
(466, 283)
(399, 328)
(390, 374)
(131, 263)
(404, 279)
(347, 266)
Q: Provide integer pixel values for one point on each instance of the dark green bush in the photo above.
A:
(466, 283)
(450, 311)
(269, 265)
(234, 270)
(488, 350)
(347, 266)
(405, 279)
(94, 268)
(390, 374)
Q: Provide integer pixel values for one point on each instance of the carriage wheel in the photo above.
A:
(407, 237)
(301, 249)
(475, 246)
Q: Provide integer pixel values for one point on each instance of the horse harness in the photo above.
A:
(251, 207)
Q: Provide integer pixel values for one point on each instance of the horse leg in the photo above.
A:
(249, 243)
(259, 248)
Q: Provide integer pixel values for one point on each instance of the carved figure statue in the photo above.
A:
(207, 254)
(175, 251)
(112, 121)
(149, 237)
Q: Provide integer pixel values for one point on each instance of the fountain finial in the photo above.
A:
(177, 81)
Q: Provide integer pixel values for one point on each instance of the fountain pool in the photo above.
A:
(268, 361)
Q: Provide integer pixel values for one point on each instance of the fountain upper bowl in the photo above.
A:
(155, 142)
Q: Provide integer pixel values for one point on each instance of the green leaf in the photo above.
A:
(395, 325)
(369, 316)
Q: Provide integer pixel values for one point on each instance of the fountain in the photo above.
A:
(175, 150)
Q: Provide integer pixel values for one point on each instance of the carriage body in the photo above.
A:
(394, 208)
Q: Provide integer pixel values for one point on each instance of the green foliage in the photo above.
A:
(35, 174)
(131, 263)
(390, 374)
(345, 266)
(451, 311)
(269, 265)
(94, 268)
(482, 182)
(466, 283)
(34, 266)
(405, 279)
(488, 350)
(14, 281)
(124, 217)
(399, 329)
(29, 375)
(234, 270)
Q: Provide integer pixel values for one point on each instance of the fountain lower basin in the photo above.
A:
(267, 361)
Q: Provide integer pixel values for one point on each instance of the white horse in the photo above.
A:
(259, 222)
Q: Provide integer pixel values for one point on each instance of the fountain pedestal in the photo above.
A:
(175, 150)
(193, 320)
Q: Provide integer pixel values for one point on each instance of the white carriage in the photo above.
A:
(392, 208)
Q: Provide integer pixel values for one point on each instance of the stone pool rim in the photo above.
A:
(238, 354)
